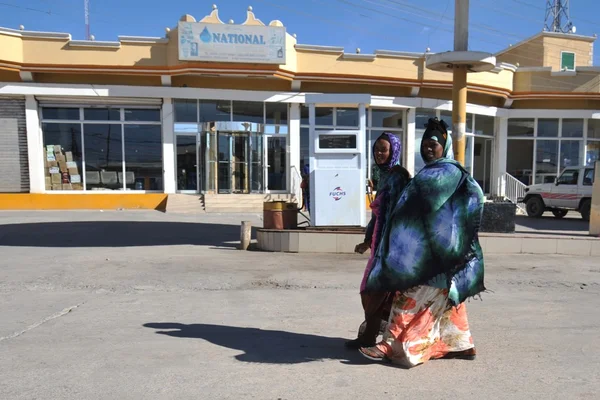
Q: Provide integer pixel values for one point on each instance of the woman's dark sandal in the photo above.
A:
(357, 344)
(468, 354)
(373, 354)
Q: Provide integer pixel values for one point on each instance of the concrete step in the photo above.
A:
(185, 203)
(240, 203)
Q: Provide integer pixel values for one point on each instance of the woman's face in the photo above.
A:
(382, 152)
(431, 150)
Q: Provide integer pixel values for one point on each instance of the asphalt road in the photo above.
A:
(154, 306)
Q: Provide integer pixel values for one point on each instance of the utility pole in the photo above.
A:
(86, 7)
(460, 62)
(459, 76)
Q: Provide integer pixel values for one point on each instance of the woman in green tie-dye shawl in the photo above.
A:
(429, 254)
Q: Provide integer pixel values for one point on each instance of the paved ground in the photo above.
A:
(140, 305)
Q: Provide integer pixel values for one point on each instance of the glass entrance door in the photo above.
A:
(234, 157)
(277, 163)
(482, 162)
(187, 164)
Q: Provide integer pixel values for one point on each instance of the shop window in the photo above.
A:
(60, 113)
(138, 115)
(592, 153)
(593, 128)
(276, 113)
(567, 61)
(546, 164)
(62, 156)
(103, 156)
(382, 118)
(323, 116)
(484, 125)
(219, 110)
(521, 127)
(248, 111)
(519, 160)
(186, 111)
(143, 158)
(102, 114)
(572, 128)
(570, 151)
(547, 127)
(346, 117)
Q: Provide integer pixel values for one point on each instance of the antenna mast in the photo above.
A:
(557, 17)
(86, 4)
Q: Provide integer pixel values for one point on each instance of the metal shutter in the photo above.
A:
(14, 168)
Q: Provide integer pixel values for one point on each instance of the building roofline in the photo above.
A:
(550, 34)
(35, 34)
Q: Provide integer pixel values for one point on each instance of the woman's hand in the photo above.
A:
(362, 247)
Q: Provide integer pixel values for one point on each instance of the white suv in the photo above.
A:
(571, 191)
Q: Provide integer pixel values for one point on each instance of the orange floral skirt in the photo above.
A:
(422, 326)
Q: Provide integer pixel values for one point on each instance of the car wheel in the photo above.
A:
(535, 207)
(559, 213)
(585, 210)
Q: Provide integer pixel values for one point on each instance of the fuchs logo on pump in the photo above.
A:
(337, 193)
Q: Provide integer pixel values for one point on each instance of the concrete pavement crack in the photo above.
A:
(41, 322)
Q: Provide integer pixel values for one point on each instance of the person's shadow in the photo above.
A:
(264, 346)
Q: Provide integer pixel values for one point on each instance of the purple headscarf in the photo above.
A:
(395, 150)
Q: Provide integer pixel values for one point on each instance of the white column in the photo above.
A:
(168, 136)
(362, 126)
(35, 146)
(293, 152)
(409, 142)
(500, 155)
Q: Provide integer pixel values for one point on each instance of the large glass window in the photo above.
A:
(572, 128)
(219, 110)
(382, 118)
(63, 156)
(519, 160)
(547, 127)
(87, 153)
(484, 125)
(346, 117)
(248, 111)
(103, 156)
(276, 118)
(569, 153)
(521, 127)
(186, 110)
(546, 164)
(593, 129)
(421, 118)
(143, 158)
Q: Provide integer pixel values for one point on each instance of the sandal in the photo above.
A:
(373, 353)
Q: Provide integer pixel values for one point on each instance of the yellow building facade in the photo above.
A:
(216, 110)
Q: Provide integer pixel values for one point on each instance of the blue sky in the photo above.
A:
(407, 25)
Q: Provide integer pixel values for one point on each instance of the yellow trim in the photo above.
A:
(29, 201)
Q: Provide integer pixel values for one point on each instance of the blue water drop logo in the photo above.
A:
(205, 35)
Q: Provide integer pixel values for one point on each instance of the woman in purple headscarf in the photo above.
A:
(392, 180)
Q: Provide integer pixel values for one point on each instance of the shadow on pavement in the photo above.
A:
(551, 225)
(264, 346)
(118, 234)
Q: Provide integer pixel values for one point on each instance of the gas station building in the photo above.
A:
(220, 111)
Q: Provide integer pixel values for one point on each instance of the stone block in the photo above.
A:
(503, 245)
(317, 242)
(574, 247)
(539, 246)
(347, 242)
(293, 239)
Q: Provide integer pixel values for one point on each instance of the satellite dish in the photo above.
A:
(574, 29)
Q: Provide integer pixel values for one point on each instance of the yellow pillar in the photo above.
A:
(459, 112)
(595, 209)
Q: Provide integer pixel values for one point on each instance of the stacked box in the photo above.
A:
(61, 172)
